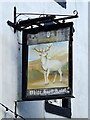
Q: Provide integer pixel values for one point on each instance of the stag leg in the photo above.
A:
(60, 72)
(48, 75)
(45, 77)
(55, 78)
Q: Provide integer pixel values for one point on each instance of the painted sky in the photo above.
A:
(56, 47)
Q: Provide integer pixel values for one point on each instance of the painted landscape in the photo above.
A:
(36, 73)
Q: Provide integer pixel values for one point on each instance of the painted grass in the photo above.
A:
(34, 75)
(65, 69)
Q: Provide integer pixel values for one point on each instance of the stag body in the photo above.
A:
(49, 65)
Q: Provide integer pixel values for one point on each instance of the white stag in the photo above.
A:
(49, 65)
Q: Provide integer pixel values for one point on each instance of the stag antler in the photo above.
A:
(47, 48)
(37, 50)
(42, 51)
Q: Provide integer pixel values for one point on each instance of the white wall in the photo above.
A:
(10, 62)
(0, 61)
(80, 103)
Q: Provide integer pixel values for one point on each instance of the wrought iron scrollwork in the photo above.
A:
(38, 21)
(75, 12)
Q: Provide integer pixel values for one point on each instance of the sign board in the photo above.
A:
(47, 62)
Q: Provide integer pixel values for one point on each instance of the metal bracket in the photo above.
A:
(14, 18)
(21, 25)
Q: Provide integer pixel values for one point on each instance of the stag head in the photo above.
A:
(43, 52)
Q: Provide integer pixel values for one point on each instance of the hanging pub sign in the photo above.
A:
(47, 62)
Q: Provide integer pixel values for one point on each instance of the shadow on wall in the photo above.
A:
(33, 109)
